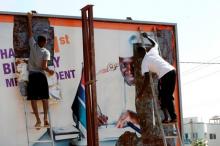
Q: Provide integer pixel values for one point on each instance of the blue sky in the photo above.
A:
(198, 26)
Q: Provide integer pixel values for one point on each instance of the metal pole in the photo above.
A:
(90, 75)
(93, 74)
(87, 78)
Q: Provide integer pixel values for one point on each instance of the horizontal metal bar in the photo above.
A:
(170, 137)
(95, 19)
(41, 141)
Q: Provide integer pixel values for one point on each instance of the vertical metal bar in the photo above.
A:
(50, 127)
(87, 78)
(90, 76)
(26, 119)
(93, 74)
(180, 111)
(178, 132)
(157, 110)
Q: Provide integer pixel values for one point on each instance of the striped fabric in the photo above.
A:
(79, 104)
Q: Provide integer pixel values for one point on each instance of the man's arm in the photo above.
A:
(152, 42)
(128, 116)
(45, 67)
(30, 33)
(150, 39)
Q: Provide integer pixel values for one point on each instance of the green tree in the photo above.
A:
(199, 142)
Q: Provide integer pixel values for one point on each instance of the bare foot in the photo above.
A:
(46, 123)
(173, 121)
(38, 125)
(165, 121)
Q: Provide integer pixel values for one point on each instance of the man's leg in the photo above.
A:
(166, 118)
(171, 110)
(45, 107)
(168, 86)
(163, 102)
(35, 110)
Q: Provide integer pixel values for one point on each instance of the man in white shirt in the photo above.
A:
(166, 73)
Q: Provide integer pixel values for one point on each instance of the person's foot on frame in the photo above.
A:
(46, 123)
(173, 120)
(38, 125)
(165, 121)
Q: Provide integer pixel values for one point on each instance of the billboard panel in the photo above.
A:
(114, 95)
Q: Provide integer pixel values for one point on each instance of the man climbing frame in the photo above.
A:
(37, 65)
(153, 62)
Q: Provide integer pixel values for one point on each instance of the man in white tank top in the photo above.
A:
(153, 62)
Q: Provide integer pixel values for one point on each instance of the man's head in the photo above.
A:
(127, 69)
(126, 52)
(41, 41)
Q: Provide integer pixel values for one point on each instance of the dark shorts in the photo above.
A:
(37, 88)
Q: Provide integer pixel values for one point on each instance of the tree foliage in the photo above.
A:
(199, 142)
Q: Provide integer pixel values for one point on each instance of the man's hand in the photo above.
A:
(102, 120)
(30, 33)
(29, 15)
(50, 72)
(128, 116)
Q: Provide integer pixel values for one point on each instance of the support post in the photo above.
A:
(90, 74)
